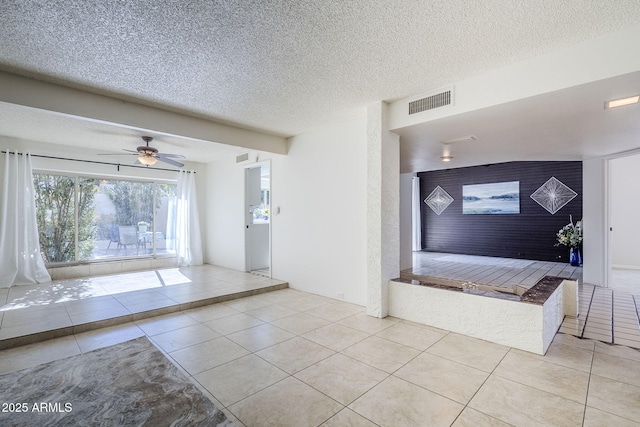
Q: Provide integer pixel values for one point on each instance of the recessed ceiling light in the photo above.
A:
(461, 139)
(622, 102)
(446, 158)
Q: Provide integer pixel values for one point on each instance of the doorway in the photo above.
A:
(623, 270)
(258, 219)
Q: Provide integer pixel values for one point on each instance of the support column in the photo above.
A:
(383, 209)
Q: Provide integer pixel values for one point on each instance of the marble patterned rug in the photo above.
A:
(128, 384)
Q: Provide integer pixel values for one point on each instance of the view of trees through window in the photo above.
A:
(83, 219)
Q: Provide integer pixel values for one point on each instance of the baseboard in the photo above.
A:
(625, 267)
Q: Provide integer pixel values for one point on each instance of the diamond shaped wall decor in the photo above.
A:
(438, 200)
(553, 195)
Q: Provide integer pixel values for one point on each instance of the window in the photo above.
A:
(85, 219)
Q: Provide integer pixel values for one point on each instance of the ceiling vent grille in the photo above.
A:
(430, 102)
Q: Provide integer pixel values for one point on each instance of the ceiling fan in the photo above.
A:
(149, 156)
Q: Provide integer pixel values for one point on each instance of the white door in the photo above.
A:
(258, 219)
(624, 233)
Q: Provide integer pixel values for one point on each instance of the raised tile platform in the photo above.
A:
(34, 313)
(493, 271)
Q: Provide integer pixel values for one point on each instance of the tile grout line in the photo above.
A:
(479, 388)
(586, 317)
(613, 299)
(586, 398)
(635, 304)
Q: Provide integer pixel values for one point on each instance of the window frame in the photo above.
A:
(76, 177)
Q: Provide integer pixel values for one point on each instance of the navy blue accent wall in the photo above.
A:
(531, 234)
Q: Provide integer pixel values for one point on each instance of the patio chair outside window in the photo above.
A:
(128, 237)
(114, 236)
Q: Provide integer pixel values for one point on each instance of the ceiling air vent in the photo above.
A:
(242, 157)
(430, 102)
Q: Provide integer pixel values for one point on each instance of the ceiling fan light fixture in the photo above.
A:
(147, 160)
(622, 102)
(149, 156)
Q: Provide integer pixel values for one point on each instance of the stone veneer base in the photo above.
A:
(528, 326)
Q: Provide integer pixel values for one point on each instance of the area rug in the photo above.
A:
(483, 260)
(128, 384)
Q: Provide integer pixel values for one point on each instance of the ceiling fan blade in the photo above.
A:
(116, 154)
(174, 156)
(169, 161)
(148, 152)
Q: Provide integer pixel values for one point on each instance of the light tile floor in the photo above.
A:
(254, 356)
(606, 315)
(33, 313)
(624, 280)
(289, 358)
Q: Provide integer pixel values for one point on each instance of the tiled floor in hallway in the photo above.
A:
(606, 315)
(290, 358)
(487, 270)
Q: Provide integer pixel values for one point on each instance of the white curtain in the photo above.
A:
(188, 239)
(20, 258)
(415, 215)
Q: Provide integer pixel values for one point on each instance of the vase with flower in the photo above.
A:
(571, 235)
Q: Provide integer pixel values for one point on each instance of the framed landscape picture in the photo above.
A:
(494, 198)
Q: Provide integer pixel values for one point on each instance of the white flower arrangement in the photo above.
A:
(570, 235)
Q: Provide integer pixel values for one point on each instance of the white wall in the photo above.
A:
(406, 234)
(383, 208)
(224, 204)
(593, 218)
(624, 175)
(319, 237)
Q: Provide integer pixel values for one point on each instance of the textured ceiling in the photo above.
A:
(31, 124)
(285, 66)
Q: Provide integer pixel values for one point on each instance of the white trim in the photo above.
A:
(258, 164)
(608, 261)
(624, 267)
(416, 226)
(607, 224)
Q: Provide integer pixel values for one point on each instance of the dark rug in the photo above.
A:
(129, 384)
